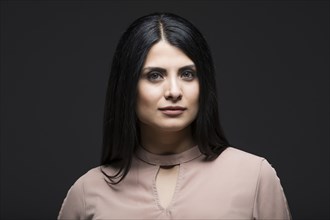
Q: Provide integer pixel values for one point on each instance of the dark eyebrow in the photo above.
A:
(162, 70)
(188, 67)
(148, 69)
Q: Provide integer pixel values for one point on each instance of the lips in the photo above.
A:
(172, 110)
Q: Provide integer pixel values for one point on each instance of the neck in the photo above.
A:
(166, 142)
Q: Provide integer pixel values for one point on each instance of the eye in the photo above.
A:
(154, 76)
(188, 75)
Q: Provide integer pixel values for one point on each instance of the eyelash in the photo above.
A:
(154, 76)
(190, 72)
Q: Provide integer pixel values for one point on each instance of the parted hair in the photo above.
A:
(121, 134)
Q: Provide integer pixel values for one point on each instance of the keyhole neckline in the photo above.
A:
(170, 159)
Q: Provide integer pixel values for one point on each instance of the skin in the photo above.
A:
(168, 78)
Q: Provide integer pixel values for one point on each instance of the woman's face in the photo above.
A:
(168, 89)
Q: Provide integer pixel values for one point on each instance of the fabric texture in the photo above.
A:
(236, 185)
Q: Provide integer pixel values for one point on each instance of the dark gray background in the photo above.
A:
(272, 60)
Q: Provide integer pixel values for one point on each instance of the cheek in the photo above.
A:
(193, 93)
(148, 96)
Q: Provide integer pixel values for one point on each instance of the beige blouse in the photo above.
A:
(237, 185)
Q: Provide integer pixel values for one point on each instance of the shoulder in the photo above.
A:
(93, 176)
(244, 158)
(245, 164)
(74, 204)
(238, 152)
(92, 179)
(258, 177)
(81, 194)
(234, 155)
(95, 172)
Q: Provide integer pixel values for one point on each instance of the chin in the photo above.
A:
(173, 127)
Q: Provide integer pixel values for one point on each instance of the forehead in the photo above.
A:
(162, 54)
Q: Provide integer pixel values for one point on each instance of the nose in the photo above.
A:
(173, 90)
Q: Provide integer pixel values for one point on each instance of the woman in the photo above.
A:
(164, 152)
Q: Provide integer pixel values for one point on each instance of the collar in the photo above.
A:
(168, 160)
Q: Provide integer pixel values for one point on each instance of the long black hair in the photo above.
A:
(120, 128)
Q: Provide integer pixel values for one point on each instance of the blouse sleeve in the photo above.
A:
(270, 201)
(73, 206)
